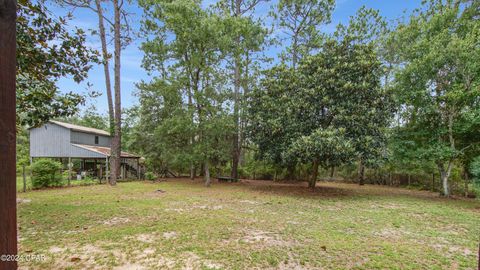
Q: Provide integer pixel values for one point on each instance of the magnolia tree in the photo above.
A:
(47, 51)
(332, 110)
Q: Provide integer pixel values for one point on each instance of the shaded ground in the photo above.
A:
(248, 225)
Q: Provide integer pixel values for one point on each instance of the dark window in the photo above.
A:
(96, 139)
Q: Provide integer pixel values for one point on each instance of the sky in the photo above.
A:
(131, 58)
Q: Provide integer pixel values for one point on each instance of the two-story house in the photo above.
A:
(91, 146)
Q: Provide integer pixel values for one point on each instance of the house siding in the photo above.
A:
(50, 140)
(54, 141)
(89, 139)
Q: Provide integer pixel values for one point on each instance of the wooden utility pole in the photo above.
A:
(24, 179)
(8, 201)
(69, 170)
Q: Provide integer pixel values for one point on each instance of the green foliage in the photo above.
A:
(331, 109)
(183, 110)
(149, 176)
(300, 21)
(23, 148)
(89, 118)
(475, 170)
(47, 51)
(436, 82)
(328, 146)
(46, 173)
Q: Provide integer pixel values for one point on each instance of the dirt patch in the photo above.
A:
(130, 266)
(201, 207)
(208, 207)
(20, 200)
(146, 238)
(170, 235)
(79, 257)
(193, 261)
(116, 221)
(264, 238)
(390, 233)
(249, 202)
(387, 206)
(56, 250)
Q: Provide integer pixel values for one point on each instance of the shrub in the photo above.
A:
(149, 176)
(46, 173)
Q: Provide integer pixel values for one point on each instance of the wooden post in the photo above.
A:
(24, 179)
(8, 186)
(101, 173)
(122, 168)
(138, 168)
(69, 170)
(106, 170)
(95, 171)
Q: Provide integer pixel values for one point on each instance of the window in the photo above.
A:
(96, 139)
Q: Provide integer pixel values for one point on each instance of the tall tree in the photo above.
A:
(121, 37)
(97, 7)
(249, 38)
(105, 61)
(300, 21)
(187, 49)
(116, 149)
(368, 27)
(326, 112)
(437, 82)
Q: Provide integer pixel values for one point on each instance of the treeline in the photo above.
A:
(373, 102)
(392, 103)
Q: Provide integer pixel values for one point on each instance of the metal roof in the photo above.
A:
(104, 150)
(81, 128)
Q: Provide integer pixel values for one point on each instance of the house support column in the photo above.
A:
(107, 176)
(95, 169)
(138, 168)
(69, 170)
(122, 169)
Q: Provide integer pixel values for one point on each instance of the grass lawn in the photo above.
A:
(247, 225)
(28, 183)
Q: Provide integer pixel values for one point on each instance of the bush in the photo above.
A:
(46, 173)
(149, 176)
(475, 170)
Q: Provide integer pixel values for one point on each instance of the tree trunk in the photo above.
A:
(106, 69)
(409, 179)
(236, 101)
(433, 182)
(207, 174)
(291, 172)
(332, 172)
(361, 172)
(313, 179)
(192, 138)
(444, 175)
(117, 138)
(466, 180)
(192, 171)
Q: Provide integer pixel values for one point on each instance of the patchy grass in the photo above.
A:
(249, 225)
